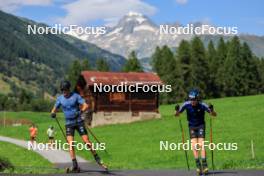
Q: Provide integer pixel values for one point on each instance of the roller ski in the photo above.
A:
(100, 162)
(198, 171)
(205, 171)
(204, 167)
(73, 170)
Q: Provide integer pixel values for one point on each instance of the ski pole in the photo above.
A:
(61, 129)
(211, 141)
(90, 131)
(183, 139)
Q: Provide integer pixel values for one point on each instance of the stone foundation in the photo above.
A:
(107, 118)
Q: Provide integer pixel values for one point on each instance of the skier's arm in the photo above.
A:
(55, 108)
(83, 105)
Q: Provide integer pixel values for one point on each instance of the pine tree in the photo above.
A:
(221, 54)
(249, 71)
(86, 65)
(184, 67)
(156, 60)
(212, 88)
(74, 72)
(133, 64)
(199, 65)
(102, 65)
(261, 75)
(233, 81)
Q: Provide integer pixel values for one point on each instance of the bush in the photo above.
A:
(5, 164)
(41, 105)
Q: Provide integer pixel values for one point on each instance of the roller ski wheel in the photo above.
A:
(100, 162)
(205, 171)
(104, 167)
(73, 170)
(198, 172)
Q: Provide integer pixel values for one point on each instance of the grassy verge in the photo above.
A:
(24, 161)
(137, 145)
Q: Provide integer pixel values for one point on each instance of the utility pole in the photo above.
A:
(4, 119)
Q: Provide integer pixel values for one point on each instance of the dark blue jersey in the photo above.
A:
(195, 114)
(70, 107)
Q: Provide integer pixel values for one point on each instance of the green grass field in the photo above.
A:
(25, 161)
(137, 145)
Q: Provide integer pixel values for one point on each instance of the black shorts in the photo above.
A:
(70, 129)
(197, 132)
(51, 138)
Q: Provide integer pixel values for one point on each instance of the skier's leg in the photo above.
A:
(195, 148)
(201, 138)
(83, 133)
(203, 155)
(70, 139)
(194, 142)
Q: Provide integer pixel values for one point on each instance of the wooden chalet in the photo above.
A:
(118, 107)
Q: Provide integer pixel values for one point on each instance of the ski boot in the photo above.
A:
(205, 169)
(100, 162)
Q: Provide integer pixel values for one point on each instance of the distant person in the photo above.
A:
(73, 106)
(51, 134)
(33, 133)
(195, 114)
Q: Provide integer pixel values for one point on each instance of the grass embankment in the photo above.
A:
(137, 145)
(25, 161)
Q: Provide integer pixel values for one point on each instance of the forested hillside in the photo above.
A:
(33, 65)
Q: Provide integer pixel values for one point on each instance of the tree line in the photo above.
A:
(228, 68)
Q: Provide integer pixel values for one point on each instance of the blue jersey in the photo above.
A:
(70, 107)
(195, 114)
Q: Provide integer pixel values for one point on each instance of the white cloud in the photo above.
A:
(12, 5)
(82, 11)
(181, 1)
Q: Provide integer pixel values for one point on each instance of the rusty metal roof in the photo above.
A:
(115, 78)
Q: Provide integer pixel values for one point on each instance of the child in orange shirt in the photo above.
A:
(33, 133)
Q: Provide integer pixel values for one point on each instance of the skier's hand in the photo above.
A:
(177, 108)
(212, 113)
(211, 107)
(53, 115)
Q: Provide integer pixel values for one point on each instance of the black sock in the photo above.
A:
(74, 163)
(197, 162)
(204, 162)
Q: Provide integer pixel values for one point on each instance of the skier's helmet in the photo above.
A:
(194, 95)
(65, 85)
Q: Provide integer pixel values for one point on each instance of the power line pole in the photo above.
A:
(4, 119)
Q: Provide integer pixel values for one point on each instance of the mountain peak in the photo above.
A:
(134, 17)
(132, 13)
